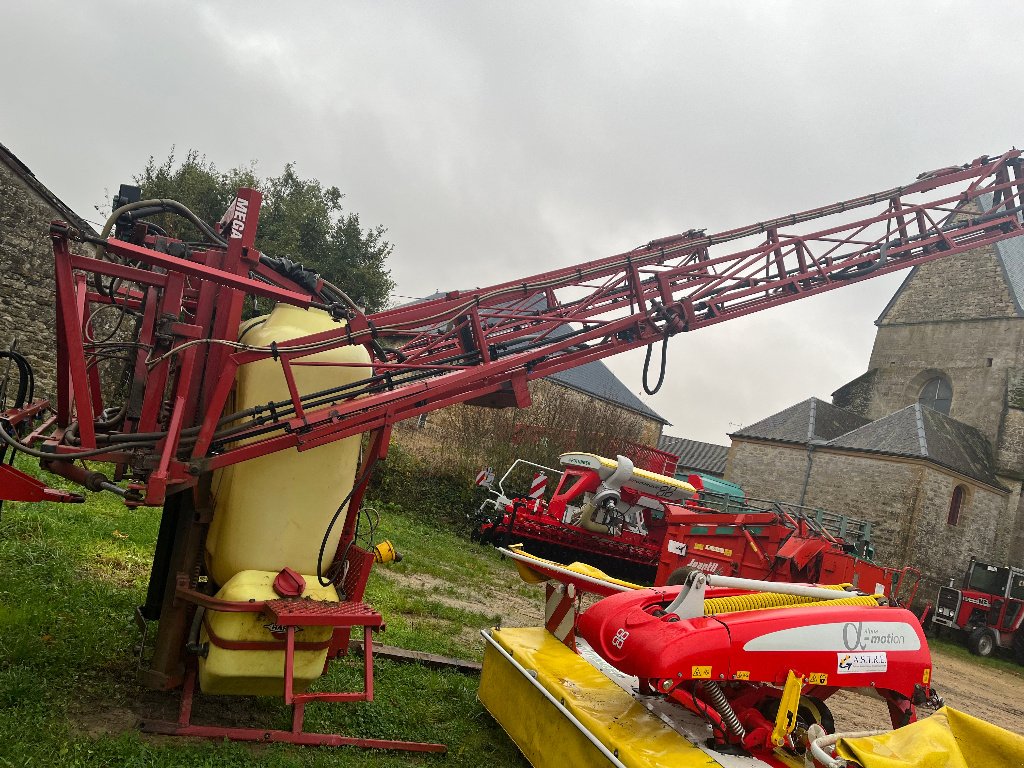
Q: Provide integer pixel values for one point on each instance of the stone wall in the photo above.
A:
(26, 277)
(906, 501)
(767, 470)
(942, 551)
(856, 395)
(27, 286)
(976, 357)
(968, 286)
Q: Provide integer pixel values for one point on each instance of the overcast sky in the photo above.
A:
(495, 140)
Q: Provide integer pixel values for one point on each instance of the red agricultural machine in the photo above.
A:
(661, 528)
(988, 609)
(257, 437)
(623, 537)
(776, 541)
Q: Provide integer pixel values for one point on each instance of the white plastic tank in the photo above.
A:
(272, 512)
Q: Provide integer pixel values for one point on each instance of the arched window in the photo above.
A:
(937, 394)
(955, 503)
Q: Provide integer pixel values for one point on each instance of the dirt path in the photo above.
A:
(994, 695)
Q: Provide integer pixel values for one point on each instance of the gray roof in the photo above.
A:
(921, 432)
(593, 379)
(813, 419)
(25, 174)
(1009, 252)
(597, 381)
(693, 454)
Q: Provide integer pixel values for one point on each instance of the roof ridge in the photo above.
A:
(921, 435)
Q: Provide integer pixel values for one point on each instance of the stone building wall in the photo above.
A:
(881, 491)
(26, 277)
(905, 500)
(976, 357)
(969, 286)
(27, 286)
(767, 470)
(942, 551)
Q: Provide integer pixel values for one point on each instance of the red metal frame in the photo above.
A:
(469, 345)
(483, 345)
(291, 614)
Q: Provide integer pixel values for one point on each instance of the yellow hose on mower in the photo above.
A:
(763, 600)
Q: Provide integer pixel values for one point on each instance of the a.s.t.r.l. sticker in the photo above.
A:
(857, 663)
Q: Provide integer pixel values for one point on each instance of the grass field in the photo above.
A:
(72, 575)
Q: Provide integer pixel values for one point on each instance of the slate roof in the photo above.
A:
(693, 454)
(921, 432)
(813, 419)
(596, 380)
(593, 379)
(1010, 254)
(23, 172)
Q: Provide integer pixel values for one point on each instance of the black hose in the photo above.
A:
(26, 379)
(13, 442)
(358, 484)
(647, 365)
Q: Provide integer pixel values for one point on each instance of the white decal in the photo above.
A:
(700, 566)
(677, 547)
(844, 636)
(620, 638)
(880, 589)
(238, 217)
(854, 663)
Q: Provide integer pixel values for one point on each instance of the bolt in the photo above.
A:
(666, 684)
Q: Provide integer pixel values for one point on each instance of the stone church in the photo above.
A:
(928, 443)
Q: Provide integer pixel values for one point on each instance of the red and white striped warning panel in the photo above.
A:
(539, 486)
(560, 612)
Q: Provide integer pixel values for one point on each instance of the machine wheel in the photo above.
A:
(678, 576)
(1018, 645)
(981, 642)
(810, 711)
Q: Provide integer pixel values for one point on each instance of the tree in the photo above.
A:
(300, 219)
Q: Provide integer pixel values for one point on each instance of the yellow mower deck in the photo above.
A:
(561, 711)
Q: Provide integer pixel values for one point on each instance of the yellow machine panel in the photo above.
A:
(546, 733)
(258, 672)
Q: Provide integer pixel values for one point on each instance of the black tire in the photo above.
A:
(1018, 645)
(678, 576)
(982, 642)
(809, 711)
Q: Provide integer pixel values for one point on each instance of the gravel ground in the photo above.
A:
(994, 695)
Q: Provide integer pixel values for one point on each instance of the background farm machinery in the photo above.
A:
(662, 528)
(987, 609)
(257, 436)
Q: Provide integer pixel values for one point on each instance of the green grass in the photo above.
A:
(1001, 660)
(71, 576)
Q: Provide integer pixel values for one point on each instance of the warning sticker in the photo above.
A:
(856, 663)
(742, 675)
(700, 673)
(817, 678)
(677, 547)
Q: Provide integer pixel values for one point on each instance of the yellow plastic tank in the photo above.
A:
(272, 512)
(258, 672)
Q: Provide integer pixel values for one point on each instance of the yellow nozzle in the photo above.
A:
(385, 552)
